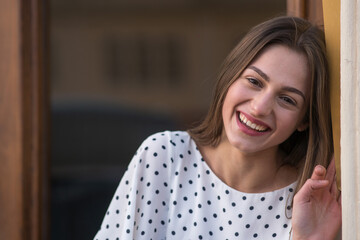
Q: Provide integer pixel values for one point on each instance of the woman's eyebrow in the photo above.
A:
(266, 77)
(261, 73)
(294, 90)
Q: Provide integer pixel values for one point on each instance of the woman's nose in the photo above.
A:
(262, 104)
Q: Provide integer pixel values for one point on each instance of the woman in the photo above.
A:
(267, 136)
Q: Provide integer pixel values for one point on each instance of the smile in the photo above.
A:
(254, 126)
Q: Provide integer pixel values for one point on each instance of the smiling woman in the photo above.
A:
(266, 138)
(266, 95)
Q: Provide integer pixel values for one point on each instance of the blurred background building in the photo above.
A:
(120, 71)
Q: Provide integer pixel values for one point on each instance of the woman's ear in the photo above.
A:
(302, 127)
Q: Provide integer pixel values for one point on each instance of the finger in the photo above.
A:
(319, 173)
(334, 189)
(308, 189)
(331, 170)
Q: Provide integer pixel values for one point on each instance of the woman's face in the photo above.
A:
(268, 102)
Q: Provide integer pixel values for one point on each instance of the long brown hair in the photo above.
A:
(304, 149)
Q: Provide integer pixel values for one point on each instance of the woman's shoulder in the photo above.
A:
(167, 145)
(168, 138)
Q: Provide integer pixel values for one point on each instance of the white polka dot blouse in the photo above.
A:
(169, 192)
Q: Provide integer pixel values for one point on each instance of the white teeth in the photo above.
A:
(250, 124)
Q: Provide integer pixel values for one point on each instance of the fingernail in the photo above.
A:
(320, 169)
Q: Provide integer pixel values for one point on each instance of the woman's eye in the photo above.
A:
(288, 100)
(254, 82)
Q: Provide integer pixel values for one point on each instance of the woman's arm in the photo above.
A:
(317, 207)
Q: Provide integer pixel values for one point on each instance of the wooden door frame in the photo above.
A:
(24, 124)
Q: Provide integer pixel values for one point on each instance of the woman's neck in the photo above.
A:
(249, 172)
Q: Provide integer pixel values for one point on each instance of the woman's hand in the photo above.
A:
(317, 206)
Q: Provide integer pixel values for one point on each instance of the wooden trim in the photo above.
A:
(307, 9)
(296, 8)
(11, 197)
(314, 12)
(23, 121)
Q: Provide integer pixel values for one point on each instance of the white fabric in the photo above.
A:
(169, 192)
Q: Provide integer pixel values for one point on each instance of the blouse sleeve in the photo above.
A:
(139, 208)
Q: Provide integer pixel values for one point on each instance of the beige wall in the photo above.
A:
(350, 118)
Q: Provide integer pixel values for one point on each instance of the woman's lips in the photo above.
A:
(252, 123)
